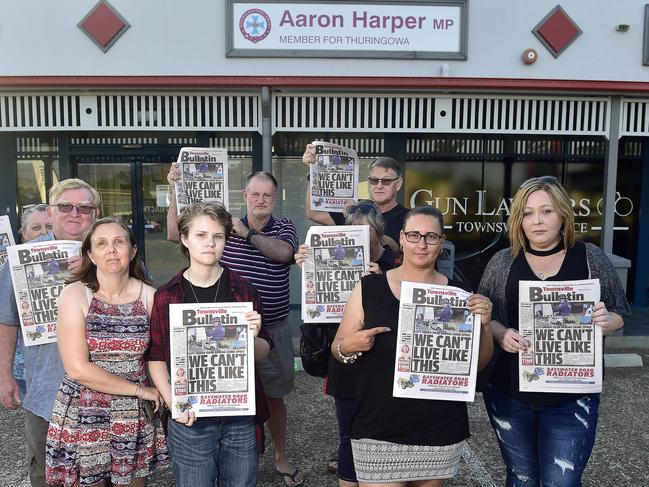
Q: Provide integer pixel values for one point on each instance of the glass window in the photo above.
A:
(32, 187)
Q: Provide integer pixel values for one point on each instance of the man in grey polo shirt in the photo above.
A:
(74, 207)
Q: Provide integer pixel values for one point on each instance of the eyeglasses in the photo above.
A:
(81, 209)
(540, 179)
(383, 181)
(431, 238)
(364, 207)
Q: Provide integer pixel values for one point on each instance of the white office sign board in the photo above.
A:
(361, 29)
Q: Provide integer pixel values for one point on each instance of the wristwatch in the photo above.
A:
(251, 232)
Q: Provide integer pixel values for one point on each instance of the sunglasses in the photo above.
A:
(35, 207)
(363, 207)
(383, 181)
(540, 179)
(431, 238)
(81, 209)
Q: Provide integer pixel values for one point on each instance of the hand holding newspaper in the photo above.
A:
(203, 176)
(333, 177)
(212, 359)
(38, 272)
(566, 351)
(438, 343)
(339, 257)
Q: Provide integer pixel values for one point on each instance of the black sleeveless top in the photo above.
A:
(341, 378)
(505, 373)
(380, 416)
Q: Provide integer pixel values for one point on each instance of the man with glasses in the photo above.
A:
(74, 207)
(385, 181)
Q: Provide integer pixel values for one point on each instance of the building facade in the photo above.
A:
(472, 97)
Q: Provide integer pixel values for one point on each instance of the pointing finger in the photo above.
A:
(378, 330)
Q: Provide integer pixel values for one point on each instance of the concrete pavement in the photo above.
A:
(620, 457)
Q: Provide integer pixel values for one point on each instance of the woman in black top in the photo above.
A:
(545, 438)
(400, 440)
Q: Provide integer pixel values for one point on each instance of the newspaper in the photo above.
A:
(212, 359)
(203, 176)
(566, 352)
(333, 177)
(6, 237)
(438, 344)
(38, 272)
(339, 257)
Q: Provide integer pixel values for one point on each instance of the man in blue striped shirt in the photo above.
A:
(261, 249)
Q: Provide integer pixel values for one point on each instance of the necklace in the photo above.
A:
(544, 253)
(550, 262)
(218, 285)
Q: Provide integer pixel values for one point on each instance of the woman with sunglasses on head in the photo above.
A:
(34, 222)
(544, 438)
(397, 441)
(207, 450)
(101, 431)
(341, 379)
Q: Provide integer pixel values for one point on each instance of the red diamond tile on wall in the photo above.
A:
(104, 25)
(557, 31)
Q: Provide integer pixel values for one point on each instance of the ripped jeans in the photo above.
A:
(543, 446)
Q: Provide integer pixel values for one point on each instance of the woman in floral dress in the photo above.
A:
(101, 429)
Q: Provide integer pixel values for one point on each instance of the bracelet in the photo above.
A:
(251, 233)
(346, 359)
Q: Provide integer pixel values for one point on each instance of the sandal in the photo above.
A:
(290, 477)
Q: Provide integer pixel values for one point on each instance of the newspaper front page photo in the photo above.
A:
(38, 272)
(438, 344)
(212, 359)
(566, 351)
(203, 176)
(6, 237)
(333, 177)
(340, 255)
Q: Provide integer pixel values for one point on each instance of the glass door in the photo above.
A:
(134, 190)
(162, 258)
(136, 193)
(113, 181)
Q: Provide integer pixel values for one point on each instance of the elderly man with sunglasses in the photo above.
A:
(385, 181)
(74, 206)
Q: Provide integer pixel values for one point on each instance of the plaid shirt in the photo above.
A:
(159, 348)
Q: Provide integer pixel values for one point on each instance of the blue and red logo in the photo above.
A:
(254, 25)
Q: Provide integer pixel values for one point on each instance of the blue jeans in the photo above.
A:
(22, 388)
(345, 409)
(211, 449)
(543, 446)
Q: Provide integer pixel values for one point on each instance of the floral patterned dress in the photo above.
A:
(94, 436)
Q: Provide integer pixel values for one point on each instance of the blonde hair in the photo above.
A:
(73, 183)
(560, 201)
